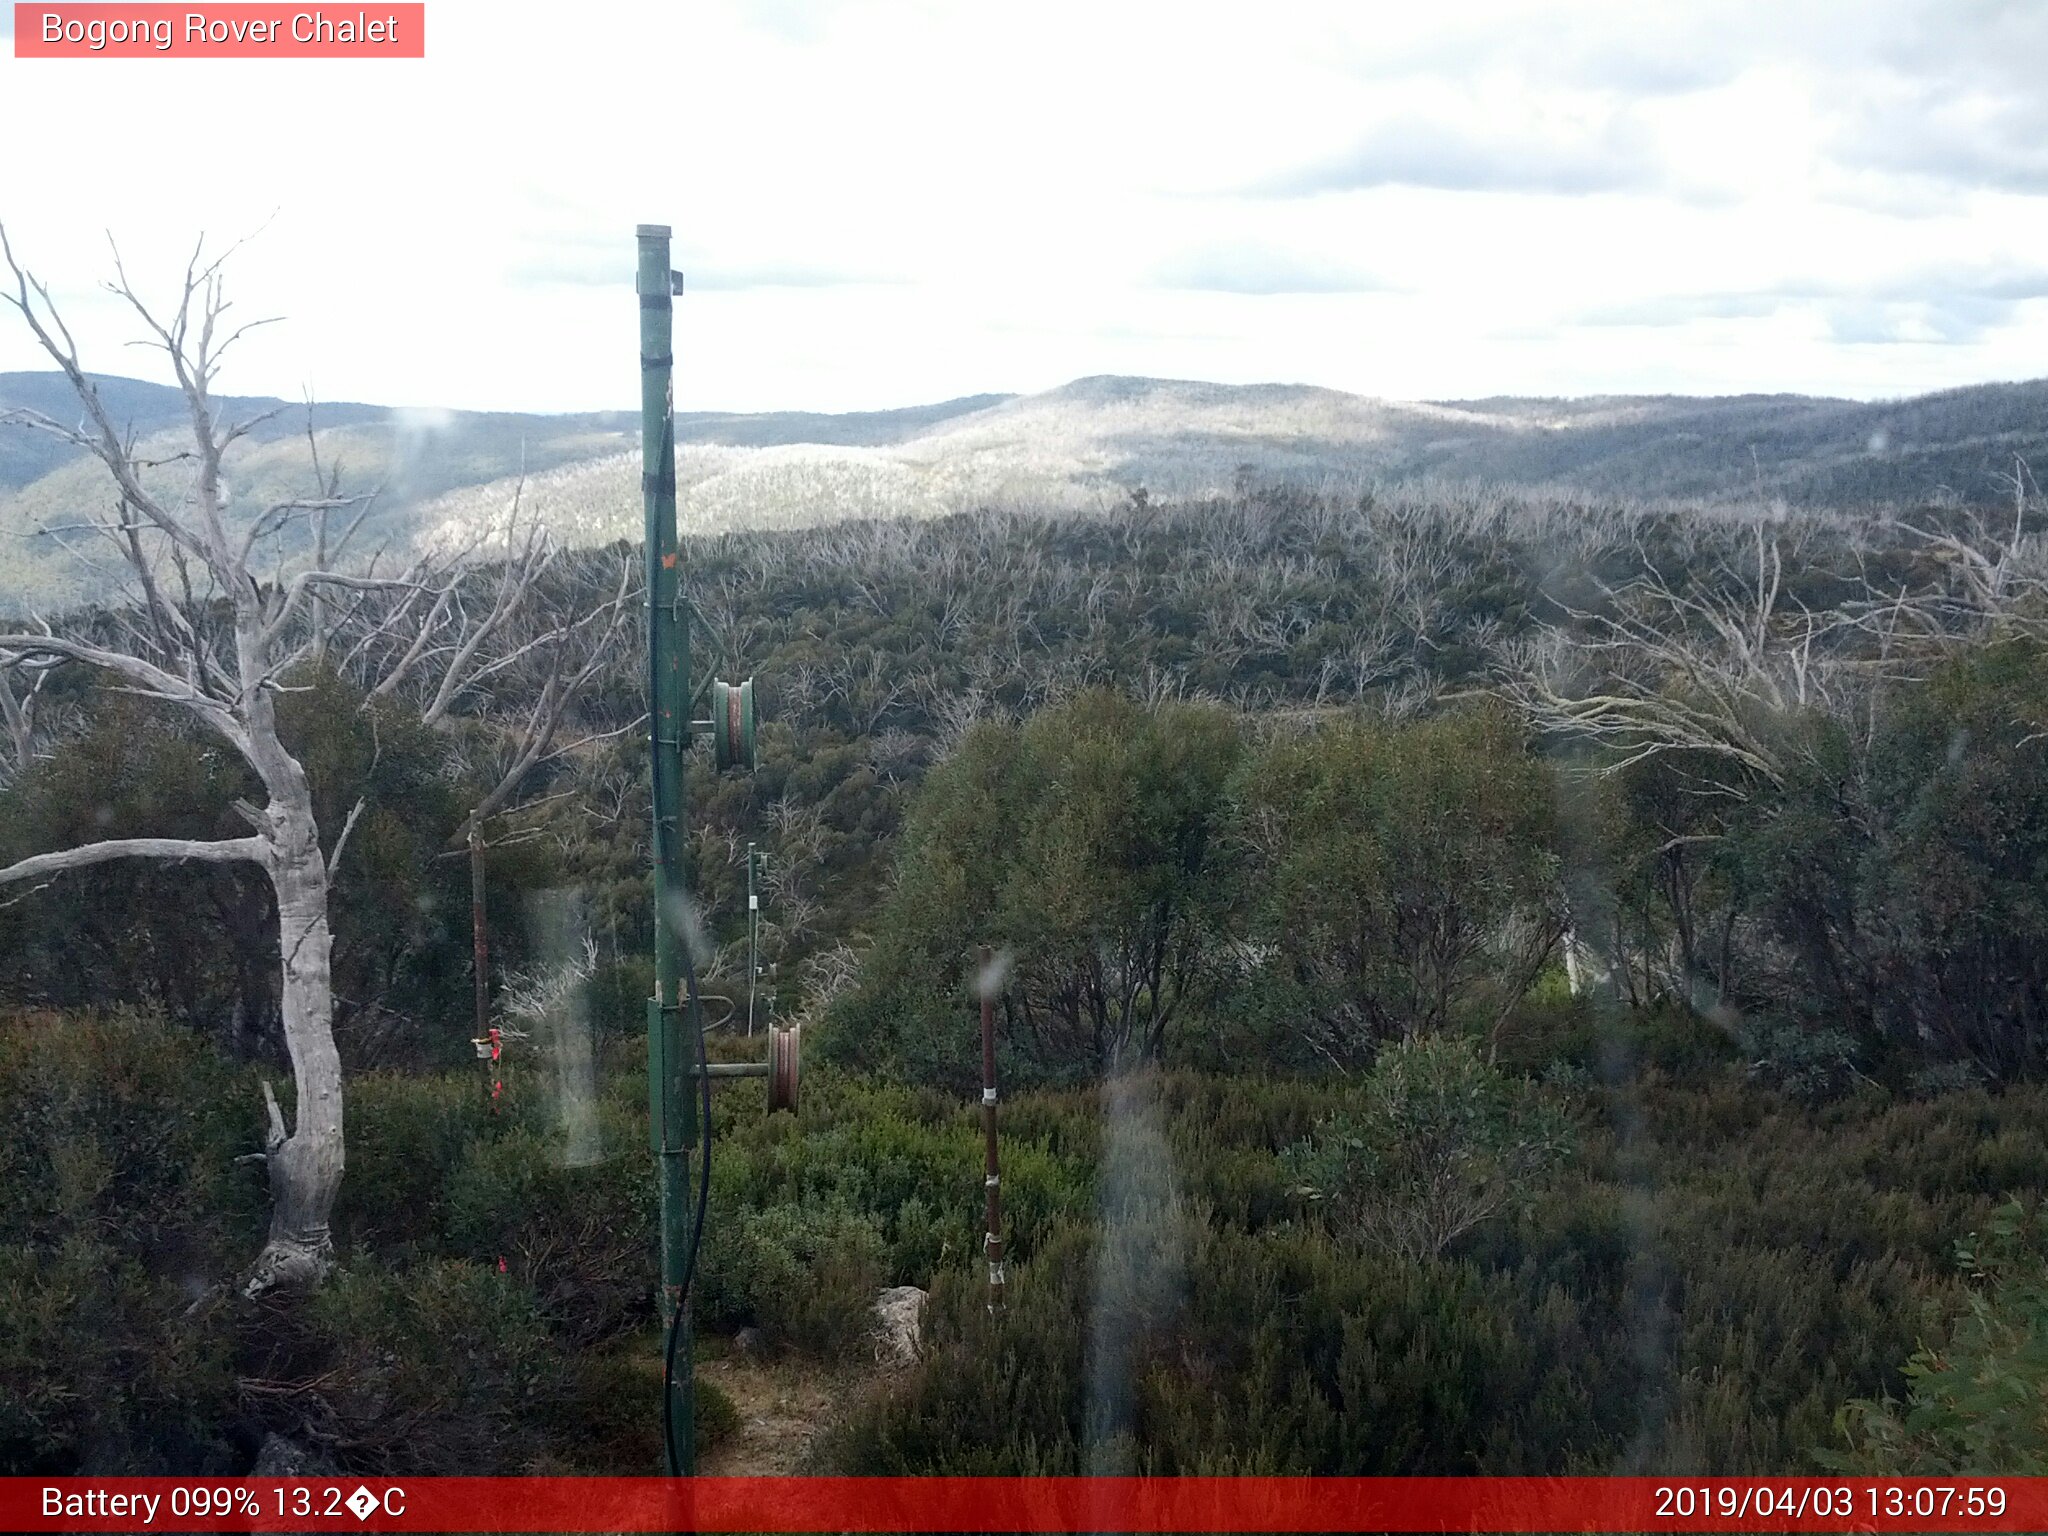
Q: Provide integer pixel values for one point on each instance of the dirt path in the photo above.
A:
(784, 1404)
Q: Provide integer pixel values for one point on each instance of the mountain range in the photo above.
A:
(1087, 444)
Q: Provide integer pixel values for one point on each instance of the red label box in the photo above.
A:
(233, 31)
(1028, 1504)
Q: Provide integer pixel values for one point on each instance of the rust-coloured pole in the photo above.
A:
(478, 936)
(486, 1031)
(992, 1239)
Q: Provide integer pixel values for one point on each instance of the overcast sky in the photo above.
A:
(881, 204)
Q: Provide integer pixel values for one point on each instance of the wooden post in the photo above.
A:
(481, 954)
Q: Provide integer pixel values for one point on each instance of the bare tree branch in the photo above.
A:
(177, 849)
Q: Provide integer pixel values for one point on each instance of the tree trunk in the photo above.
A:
(305, 1166)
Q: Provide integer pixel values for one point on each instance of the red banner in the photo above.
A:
(232, 31)
(1025, 1504)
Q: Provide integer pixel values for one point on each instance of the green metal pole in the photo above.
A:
(671, 1104)
(753, 940)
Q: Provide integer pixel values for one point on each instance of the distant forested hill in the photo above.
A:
(1088, 445)
(1811, 451)
(414, 455)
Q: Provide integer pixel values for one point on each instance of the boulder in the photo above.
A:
(899, 1324)
(281, 1457)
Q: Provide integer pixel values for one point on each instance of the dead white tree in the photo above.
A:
(480, 627)
(219, 648)
(1695, 669)
(204, 632)
(20, 690)
(1984, 579)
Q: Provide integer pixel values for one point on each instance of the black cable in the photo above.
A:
(694, 1004)
(675, 1325)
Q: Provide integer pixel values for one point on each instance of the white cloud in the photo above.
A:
(1258, 268)
(882, 203)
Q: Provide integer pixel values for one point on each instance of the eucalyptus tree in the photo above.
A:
(1081, 842)
(214, 618)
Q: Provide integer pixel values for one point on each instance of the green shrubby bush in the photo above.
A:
(1605, 1041)
(1549, 1023)
(616, 996)
(406, 1132)
(1974, 1404)
(579, 1236)
(101, 1370)
(1809, 1063)
(120, 1204)
(1401, 876)
(872, 1184)
(908, 1161)
(806, 1274)
(1715, 1272)
(1873, 904)
(995, 1394)
(1081, 842)
(1276, 1354)
(124, 1128)
(1436, 1144)
(442, 1369)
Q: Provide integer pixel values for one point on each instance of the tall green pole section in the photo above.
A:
(671, 1104)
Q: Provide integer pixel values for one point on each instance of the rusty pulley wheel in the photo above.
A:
(784, 1049)
(732, 725)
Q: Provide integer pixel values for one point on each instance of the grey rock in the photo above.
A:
(281, 1457)
(899, 1325)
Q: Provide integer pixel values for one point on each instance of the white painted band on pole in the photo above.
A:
(988, 1095)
